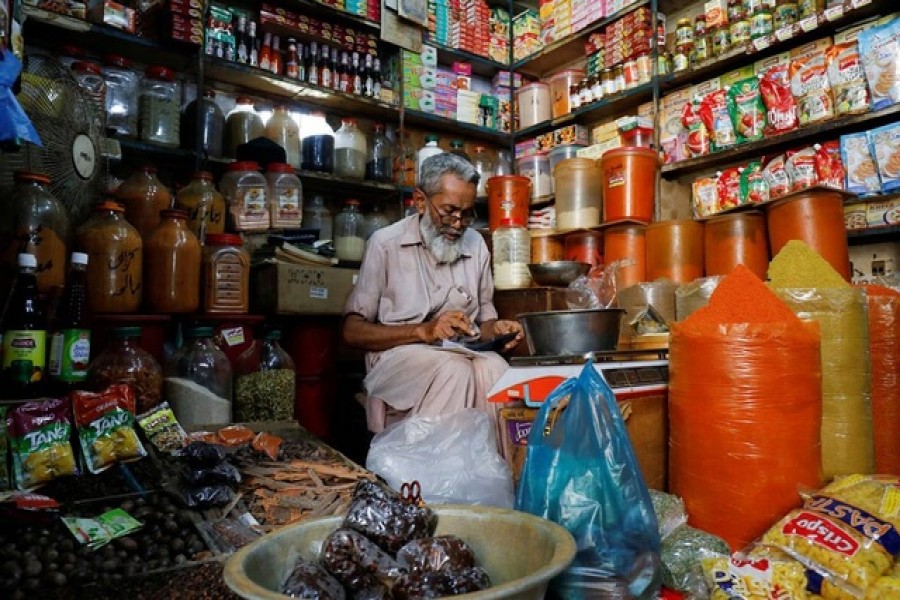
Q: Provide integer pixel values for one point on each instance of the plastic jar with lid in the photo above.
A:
(204, 204)
(684, 33)
(316, 144)
(349, 151)
(563, 152)
(122, 86)
(115, 260)
(36, 223)
(577, 193)
(172, 266)
(198, 379)
(241, 125)
(486, 167)
(124, 361)
(285, 196)
(374, 220)
(284, 131)
(511, 255)
(533, 104)
(675, 250)
(585, 246)
(225, 274)
(143, 195)
(90, 79)
(727, 36)
(244, 189)
(160, 104)
(349, 240)
(427, 151)
(559, 90)
(546, 246)
(212, 124)
(537, 169)
(264, 382)
(380, 157)
(317, 216)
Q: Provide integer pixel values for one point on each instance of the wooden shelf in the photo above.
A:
(805, 135)
(154, 152)
(760, 206)
(738, 57)
(592, 112)
(568, 49)
(481, 65)
(327, 11)
(455, 128)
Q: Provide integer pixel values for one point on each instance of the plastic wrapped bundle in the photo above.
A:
(694, 295)
(356, 561)
(744, 394)
(441, 553)
(383, 517)
(309, 580)
(884, 349)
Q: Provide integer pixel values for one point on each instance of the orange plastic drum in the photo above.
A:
(675, 250)
(509, 197)
(815, 217)
(546, 248)
(585, 246)
(623, 242)
(629, 183)
(739, 238)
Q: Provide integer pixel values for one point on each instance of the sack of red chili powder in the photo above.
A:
(744, 393)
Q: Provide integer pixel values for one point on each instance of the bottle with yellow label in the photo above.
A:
(24, 336)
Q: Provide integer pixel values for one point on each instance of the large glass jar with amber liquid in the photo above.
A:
(204, 204)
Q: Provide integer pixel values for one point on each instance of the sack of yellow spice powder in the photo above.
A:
(814, 291)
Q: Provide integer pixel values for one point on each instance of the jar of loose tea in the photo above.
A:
(124, 361)
(226, 275)
(198, 380)
(116, 260)
(264, 382)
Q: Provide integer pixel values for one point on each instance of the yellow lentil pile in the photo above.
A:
(799, 266)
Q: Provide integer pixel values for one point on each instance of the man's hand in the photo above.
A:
(445, 326)
(503, 327)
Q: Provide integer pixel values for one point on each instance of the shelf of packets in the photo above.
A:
(471, 26)
(821, 88)
(456, 93)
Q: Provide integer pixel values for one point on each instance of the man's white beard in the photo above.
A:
(444, 250)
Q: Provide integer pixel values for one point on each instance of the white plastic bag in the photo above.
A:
(453, 457)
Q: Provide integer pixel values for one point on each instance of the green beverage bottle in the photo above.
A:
(70, 342)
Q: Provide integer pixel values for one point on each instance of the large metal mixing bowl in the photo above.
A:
(571, 332)
(558, 273)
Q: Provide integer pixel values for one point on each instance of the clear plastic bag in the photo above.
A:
(441, 553)
(382, 516)
(582, 473)
(597, 289)
(356, 561)
(454, 458)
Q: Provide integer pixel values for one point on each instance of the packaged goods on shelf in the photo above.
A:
(885, 143)
(526, 34)
(872, 214)
(500, 25)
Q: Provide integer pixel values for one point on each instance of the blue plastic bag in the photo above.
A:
(15, 125)
(581, 472)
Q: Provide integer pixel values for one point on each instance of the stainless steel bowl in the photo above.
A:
(571, 332)
(558, 273)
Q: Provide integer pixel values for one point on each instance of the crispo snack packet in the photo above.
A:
(760, 572)
(846, 534)
(162, 428)
(105, 422)
(40, 433)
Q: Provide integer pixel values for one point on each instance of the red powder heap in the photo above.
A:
(742, 297)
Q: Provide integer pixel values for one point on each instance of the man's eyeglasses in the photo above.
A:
(465, 217)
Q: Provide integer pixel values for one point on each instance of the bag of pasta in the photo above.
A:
(39, 436)
(760, 572)
(105, 422)
(846, 534)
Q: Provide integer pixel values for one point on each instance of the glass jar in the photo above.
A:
(212, 124)
(115, 260)
(160, 104)
(681, 60)
(316, 144)
(721, 39)
(405, 166)
(143, 195)
(486, 168)
(619, 78)
(285, 196)
(349, 151)
(317, 216)
(89, 76)
(204, 204)
(609, 83)
(587, 92)
(457, 147)
(737, 11)
(241, 125)
(172, 266)
(198, 380)
(124, 361)
(373, 221)
(225, 274)
(575, 96)
(684, 33)
(644, 68)
(511, 254)
(761, 23)
(36, 223)
(349, 243)
(380, 157)
(631, 73)
(701, 40)
(284, 131)
(122, 86)
(264, 382)
(808, 8)
(244, 189)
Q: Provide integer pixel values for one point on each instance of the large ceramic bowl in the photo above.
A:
(521, 552)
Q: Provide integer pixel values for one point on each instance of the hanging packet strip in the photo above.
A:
(39, 435)
(754, 187)
(14, 123)
(105, 424)
(748, 113)
(714, 113)
(98, 532)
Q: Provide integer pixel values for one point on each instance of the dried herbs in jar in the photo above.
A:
(264, 386)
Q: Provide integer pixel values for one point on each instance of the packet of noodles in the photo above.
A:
(105, 422)
(846, 533)
(760, 572)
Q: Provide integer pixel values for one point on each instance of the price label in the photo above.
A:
(760, 44)
(233, 336)
(809, 23)
(835, 12)
(859, 3)
(785, 33)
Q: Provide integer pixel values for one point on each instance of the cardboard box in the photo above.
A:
(284, 288)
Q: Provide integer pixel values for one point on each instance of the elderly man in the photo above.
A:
(424, 279)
